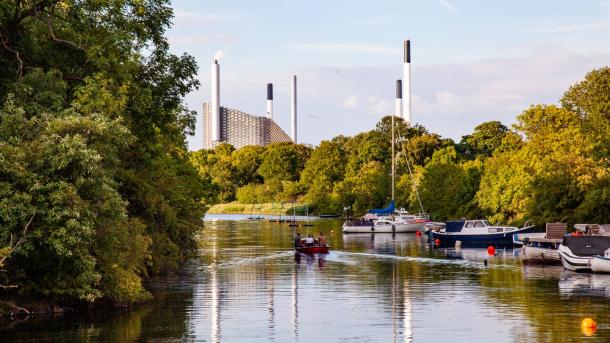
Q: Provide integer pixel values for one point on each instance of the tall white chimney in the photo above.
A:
(215, 101)
(293, 109)
(398, 98)
(406, 90)
(270, 100)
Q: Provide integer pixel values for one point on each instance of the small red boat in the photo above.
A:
(315, 249)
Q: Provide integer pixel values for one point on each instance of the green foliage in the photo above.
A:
(485, 139)
(92, 144)
(448, 186)
(283, 161)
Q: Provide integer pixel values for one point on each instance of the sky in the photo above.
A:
(472, 61)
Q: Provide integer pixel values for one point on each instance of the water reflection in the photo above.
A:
(575, 284)
(249, 286)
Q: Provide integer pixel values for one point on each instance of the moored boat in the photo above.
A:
(476, 233)
(576, 251)
(600, 264)
(543, 249)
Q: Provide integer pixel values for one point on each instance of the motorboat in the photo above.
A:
(543, 249)
(407, 222)
(314, 249)
(476, 233)
(382, 225)
(576, 251)
(601, 264)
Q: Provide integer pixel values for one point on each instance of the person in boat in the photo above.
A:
(297, 240)
(321, 239)
(309, 240)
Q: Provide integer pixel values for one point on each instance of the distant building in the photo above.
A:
(240, 129)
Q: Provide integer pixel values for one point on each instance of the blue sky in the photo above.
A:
(473, 61)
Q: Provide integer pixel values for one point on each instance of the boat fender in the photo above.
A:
(372, 228)
(393, 228)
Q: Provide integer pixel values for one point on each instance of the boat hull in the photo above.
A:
(600, 264)
(573, 262)
(503, 239)
(322, 249)
(394, 228)
(540, 255)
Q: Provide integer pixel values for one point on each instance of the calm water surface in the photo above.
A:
(248, 286)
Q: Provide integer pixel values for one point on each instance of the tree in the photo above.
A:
(486, 138)
(76, 71)
(246, 162)
(284, 161)
(365, 190)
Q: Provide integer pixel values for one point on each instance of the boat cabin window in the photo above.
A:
(479, 223)
(468, 224)
(495, 229)
(510, 229)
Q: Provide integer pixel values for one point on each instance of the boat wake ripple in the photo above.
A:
(244, 261)
(423, 260)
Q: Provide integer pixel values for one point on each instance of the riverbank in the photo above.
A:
(254, 209)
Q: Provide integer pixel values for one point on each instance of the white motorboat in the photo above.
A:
(542, 247)
(382, 225)
(576, 251)
(358, 226)
(541, 250)
(601, 264)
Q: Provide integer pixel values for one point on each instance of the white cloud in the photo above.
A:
(447, 98)
(379, 107)
(446, 4)
(350, 102)
(347, 47)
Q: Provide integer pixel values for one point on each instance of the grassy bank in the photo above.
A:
(265, 208)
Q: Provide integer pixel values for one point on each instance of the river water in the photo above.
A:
(249, 286)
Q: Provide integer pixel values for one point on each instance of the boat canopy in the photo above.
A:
(588, 245)
(454, 226)
(387, 210)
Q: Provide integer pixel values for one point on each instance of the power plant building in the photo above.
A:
(240, 129)
(227, 125)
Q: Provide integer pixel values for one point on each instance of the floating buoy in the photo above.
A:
(588, 323)
(437, 242)
(418, 234)
(491, 250)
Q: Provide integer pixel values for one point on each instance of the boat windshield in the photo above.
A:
(479, 223)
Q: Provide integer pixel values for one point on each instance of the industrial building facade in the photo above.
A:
(240, 129)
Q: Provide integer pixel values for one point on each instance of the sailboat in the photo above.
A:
(387, 219)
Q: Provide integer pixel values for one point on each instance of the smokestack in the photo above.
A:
(293, 108)
(407, 82)
(215, 101)
(270, 100)
(399, 98)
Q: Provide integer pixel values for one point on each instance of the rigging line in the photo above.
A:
(413, 183)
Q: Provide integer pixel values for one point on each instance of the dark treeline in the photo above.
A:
(552, 165)
(96, 191)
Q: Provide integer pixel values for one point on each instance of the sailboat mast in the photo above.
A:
(393, 159)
